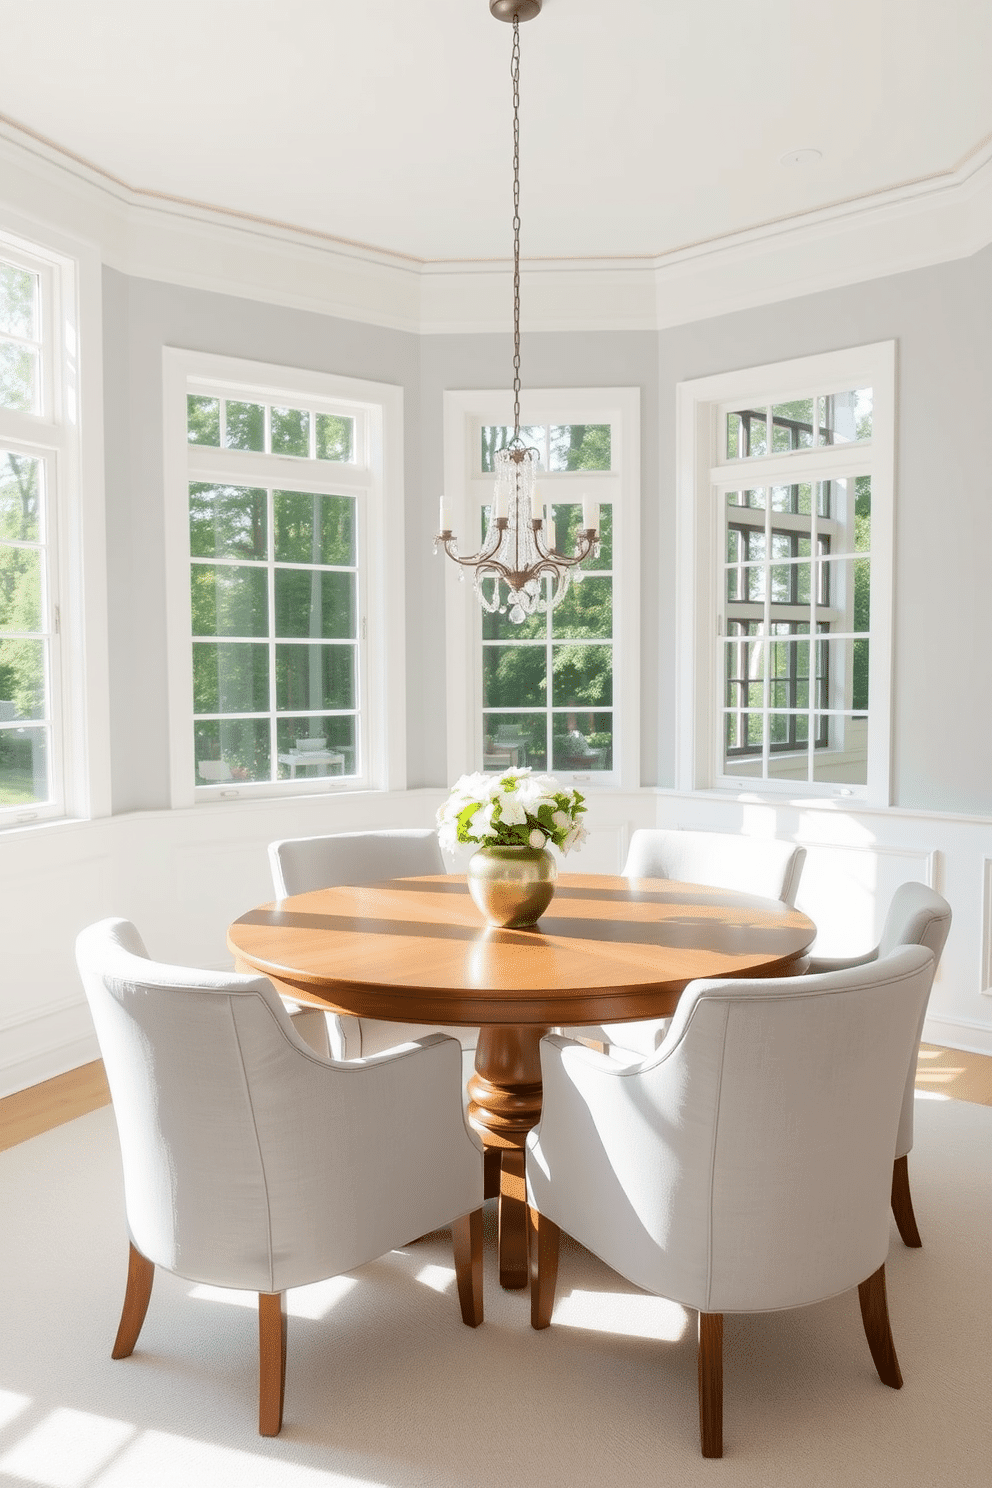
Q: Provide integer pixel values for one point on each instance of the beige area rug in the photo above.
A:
(386, 1387)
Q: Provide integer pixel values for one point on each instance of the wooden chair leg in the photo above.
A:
(902, 1204)
(466, 1235)
(545, 1237)
(711, 1383)
(140, 1275)
(271, 1362)
(875, 1315)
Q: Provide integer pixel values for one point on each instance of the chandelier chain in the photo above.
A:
(515, 75)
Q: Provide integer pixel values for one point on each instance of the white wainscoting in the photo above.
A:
(182, 876)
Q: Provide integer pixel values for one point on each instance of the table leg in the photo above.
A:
(505, 1104)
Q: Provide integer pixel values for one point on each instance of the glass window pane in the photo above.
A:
(784, 498)
(582, 676)
(497, 627)
(792, 425)
(229, 677)
(844, 760)
(314, 748)
(316, 604)
(514, 676)
(752, 431)
(23, 766)
(18, 302)
(229, 600)
(579, 447)
(312, 528)
(335, 437)
(245, 426)
(495, 437)
(229, 750)
(20, 498)
(735, 437)
(586, 612)
(312, 677)
(582, 741)
(845, 416)
(568, 526)
(20, 589)
(227, 521)
(513, 740)
(202, 420)
(22, 679)
(862, 513)
(290, 431)
(18, 378)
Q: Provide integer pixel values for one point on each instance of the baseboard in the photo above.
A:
(34, 1068)
(958, 1033)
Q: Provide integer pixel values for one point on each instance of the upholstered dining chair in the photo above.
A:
(251, 1162)
(917, 916)
(744, 1166)
(767, 867)
(300, 864)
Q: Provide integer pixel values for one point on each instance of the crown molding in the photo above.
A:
(151, 236)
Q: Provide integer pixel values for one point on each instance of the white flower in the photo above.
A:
(575, 838)
(511, 809)
(536, 838)
(481, 824)
(561, 819)
(447, 836)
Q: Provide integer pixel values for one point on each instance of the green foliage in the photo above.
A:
(312, 528)
(290, 431)
(245, 426)
(227, 521)
(202, 420)
(335, 437)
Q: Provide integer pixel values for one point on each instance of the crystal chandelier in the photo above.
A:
(519, 553)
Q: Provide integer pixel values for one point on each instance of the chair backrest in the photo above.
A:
(217, 1102)
(300, 864)
(755, 865)
(748, 1163)
(917, 916)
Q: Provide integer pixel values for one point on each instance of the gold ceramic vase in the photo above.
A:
(512, 886)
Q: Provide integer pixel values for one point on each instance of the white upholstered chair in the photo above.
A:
(744, 1166)
(300, 864)
(917, 916)
(763, 866)
(251, 1162)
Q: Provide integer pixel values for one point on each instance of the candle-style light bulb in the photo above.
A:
(444, 517)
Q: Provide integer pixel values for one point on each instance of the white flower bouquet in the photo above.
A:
(518, 809)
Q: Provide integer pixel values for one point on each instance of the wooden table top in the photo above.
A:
(607, 949)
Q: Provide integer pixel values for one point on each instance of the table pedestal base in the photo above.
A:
(505, 1104)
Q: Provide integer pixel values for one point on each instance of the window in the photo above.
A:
(785, 523)
(277, 681)
(52, 667)
(556, 691)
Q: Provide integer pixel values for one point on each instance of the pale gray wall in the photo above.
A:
(940, 318)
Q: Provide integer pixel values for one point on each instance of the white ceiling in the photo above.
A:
(647, 125)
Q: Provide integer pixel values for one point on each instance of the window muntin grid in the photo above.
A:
(548, 683)
(795, 645)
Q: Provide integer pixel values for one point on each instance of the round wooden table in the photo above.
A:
(607, 950)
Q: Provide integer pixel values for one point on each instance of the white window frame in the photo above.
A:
(378, 410)
(703, 476)
(467, 489)
(67, 433)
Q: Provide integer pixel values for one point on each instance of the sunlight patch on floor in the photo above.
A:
(440, 1278)
(66, 1449)
(313, 1302)
(930, 1095)
(11, 1406)
(630, 1316)
(159, 1459)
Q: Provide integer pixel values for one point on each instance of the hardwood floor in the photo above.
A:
(950, 1072)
